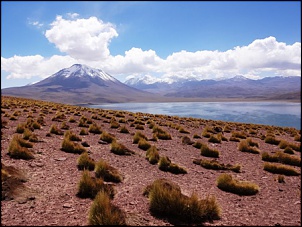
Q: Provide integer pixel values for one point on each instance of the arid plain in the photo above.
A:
(43, 190)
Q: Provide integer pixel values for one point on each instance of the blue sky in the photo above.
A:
(162, 40)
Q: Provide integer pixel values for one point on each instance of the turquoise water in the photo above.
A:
(268, 113)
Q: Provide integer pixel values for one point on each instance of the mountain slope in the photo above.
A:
(236, 87)
(80, 84)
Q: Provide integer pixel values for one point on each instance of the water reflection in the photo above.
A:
(268, 113)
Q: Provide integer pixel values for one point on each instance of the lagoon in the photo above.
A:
(284, 114)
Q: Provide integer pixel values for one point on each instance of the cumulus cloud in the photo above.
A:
(86, 39)
(36, 65)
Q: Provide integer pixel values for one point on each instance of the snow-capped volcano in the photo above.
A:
(79, 70)
(79, 84)
(79, 76)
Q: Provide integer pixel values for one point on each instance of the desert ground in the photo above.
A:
(43, 190)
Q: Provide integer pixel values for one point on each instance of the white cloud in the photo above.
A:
(73, 15)
(86, 39)
(134, 61)
(31, 66)
(36, 24)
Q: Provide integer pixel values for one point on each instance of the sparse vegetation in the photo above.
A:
(167, 200)
(214, 164)
(208, 152)
(244, 146)
(88, 187)
(120, 149)
(18, 148)
(152, 155)
(226, 183)
(85, 162)
(166, 165)
(103, 212)
(280, 169)
(107, 172)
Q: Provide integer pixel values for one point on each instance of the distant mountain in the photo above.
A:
(236, 87)
(79, 84)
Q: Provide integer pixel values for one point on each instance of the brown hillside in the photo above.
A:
(43, 190)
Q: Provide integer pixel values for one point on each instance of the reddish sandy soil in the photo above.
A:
(45, 192)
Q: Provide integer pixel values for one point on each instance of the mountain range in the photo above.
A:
(236, 87)
(81, 84)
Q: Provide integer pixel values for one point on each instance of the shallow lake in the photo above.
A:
(283, 114)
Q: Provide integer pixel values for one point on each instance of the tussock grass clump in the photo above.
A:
(288, 150)
(103, 212)
(124, 129)
(20, 128)
(214, 139)
(208, 152)
(18, 148)
(183, 130)
(137, 136)
(71, 119)
(95, 129)
(297, 137)
(114, 124)
(245, 147)
(64, 126)
(72, 136)
(235, 139)
(27, 133)
(107, 172)
(83, 132)
(107, 137)
(143, 144)
(120, 149)
(72, 147)
(214, 164)
(206, 132)
(139, 127)
(152, 155)
(167, 200)
(161, 134)
(240, 135)
(226, 183)
(252, 143)
(85, 162)
(282, 158)
(281, 169)
(88, 186)
(271, 140)
(166, 165)
(55, 130)
(197, 144)
(196, 136)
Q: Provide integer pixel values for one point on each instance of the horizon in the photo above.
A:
(215, 79)
(162, 40)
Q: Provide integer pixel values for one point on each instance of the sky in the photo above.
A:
(163, 40)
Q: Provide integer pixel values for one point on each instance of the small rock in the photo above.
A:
(39, 164)
(67, 205)
(60, 159)
(32, 197)
(102, 142)
(297, 202)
